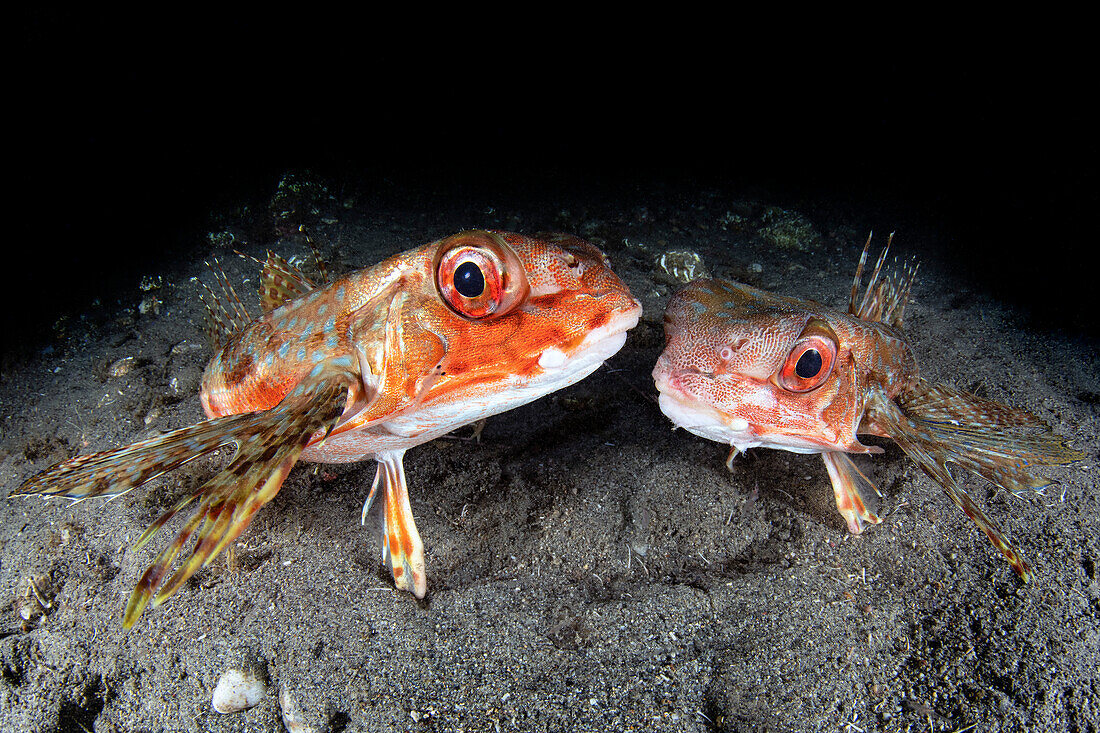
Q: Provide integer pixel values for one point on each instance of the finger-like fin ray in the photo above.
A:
(402, 550)
(856, 495)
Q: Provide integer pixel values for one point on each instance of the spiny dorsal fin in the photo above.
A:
(225, 313)
(281, 282)
(886, 295)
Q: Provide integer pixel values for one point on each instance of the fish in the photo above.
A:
(749, 368)
(379, 361)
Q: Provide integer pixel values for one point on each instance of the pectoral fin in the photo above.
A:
(268, 445)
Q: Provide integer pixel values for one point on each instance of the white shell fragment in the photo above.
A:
(294, 717)
(237, 690)
(682, 266)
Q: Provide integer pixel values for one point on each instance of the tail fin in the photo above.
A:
(268, 446)
(936, 424)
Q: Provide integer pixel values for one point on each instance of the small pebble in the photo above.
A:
(121, 367)
(237, 690)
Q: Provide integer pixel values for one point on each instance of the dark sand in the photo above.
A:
(589, 567)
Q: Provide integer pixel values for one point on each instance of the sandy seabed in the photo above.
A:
(590, 568)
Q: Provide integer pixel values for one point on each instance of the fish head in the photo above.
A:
(748, 368)
(511, 306)
(484, 321)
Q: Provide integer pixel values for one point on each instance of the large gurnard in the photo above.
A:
(368, 366)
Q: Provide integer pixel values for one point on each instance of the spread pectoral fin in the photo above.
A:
(268, 445)
(936, 424)
(267, 450)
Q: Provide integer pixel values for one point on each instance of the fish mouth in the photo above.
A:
(701, 417)
(598, 344)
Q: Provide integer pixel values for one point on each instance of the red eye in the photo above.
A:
(810, 361)
(479, 275)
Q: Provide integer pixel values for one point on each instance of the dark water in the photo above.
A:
(128, 141)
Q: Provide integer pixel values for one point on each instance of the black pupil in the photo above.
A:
(469, 282)
(809, 364)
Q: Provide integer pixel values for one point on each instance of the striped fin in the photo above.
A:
(886, 295)
(402, 549)
(1000, 443)
(114, 472)
(268, 445)
(281, 282)
(936, 424)
(226, 315)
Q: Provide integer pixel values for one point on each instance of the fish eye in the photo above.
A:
(809, 364)
(810, 361)
(469, 280)
(478, 275)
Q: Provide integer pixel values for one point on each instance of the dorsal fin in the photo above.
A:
(281, 282)
(225, 313)
(886, 295)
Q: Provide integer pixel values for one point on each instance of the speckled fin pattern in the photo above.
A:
(280, 282)
(936, 424)
(268, 445)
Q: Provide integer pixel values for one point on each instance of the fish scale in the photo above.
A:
(366, 367)
(733, 371)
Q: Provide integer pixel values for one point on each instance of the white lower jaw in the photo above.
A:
(435, 420)
(709, 423)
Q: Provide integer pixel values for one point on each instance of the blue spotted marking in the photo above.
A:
(332, 341)
(317, 356)
(301, 353)
(699, 308)
(322, 309)
(340, 293)
(284, 349)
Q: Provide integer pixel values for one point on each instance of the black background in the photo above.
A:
(126, 131)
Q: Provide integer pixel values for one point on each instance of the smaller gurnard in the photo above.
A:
(749, 368)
